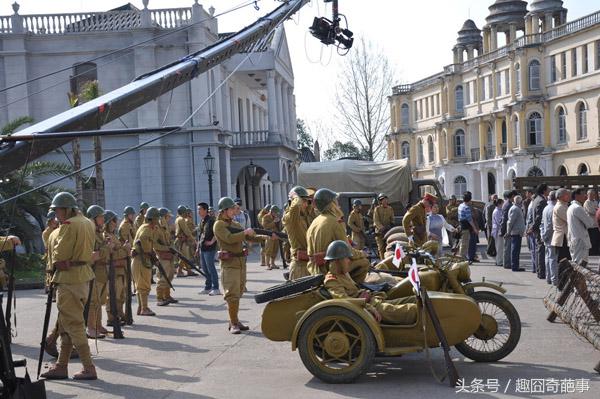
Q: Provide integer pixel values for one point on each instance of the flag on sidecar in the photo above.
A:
(413, 276)
(398, 255)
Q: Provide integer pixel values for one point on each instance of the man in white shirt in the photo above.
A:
(579, 222)
(546, 232)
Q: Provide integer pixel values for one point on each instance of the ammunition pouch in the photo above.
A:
(302, 255)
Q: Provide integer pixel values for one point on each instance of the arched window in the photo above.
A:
(582, 170)
(535, 172)
(534, 129)
(460, 185)
(518, 77)
(491, 141)
(420, 152)
(534, 75)
(430, 149)
(404, 114)
(460, 102)
(405, 149)
(459, 143)
(561, 123)
(581, 121)
(562, 171)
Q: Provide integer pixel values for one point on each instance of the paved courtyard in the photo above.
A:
(187, 353)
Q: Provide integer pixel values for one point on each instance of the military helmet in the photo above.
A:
(144, 205)
(238, 201)
(300, 192)
(51, 215)
(64, 200)
(381, 196)
(357, 202)
(275, 209)
(94, 211)
(128, 211)
(108, 216)
(324, 197)
(267, 207)
(152, 213)
(338, 250)
(226, 203)
(181, 209)
(163, 212)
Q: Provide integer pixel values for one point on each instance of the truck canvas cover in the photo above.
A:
(390, 177)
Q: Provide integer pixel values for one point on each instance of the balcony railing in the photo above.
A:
(474, 154)
(256, 138)
(490, 152)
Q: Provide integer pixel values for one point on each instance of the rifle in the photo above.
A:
(45, 328)
(128, 294)
(450, 368)
(11, 294)
(86, 308)
(154, 261)
(280, 235)
(186, 260)
(112, 296)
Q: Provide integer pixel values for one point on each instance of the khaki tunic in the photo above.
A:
(74, 241)
(414, 223)
(231, 269)
(119, 254)
(452, 215)
(99, 295)
(163, 290)
(139, 221)
(325, 229)
(184, 239)
(148, 235)
(127, 231)
(296, 224)
(357, 225)
(271, 246)
(397, 311)
(383, 217)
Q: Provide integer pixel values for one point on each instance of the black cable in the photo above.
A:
(130, 47)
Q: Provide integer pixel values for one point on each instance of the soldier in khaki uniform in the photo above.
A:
(311, 211)
(189, 217)
(72, 258)
(144, 244)
(340, 285)
(101, 256)
(7, 244)
(167, 261)
(296, 224)
(126, 227)
(184, 239)
(383, 219)
(357, 224)
(140, 218)
(259, 217)
(232, 258)
(271, 222)
(415, 220)
(329, 226)
(120, 253)
(51, 225)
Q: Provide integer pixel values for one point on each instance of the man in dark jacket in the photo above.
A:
(207, 248)
(508, 203)
(537, 206)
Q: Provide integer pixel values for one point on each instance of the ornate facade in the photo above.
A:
(521, 97)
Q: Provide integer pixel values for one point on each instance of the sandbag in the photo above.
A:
(393, 230)
(397, 237)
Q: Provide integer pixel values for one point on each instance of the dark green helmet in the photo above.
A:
(181, 210)
(51, 215)
(323, 198)
(381, 196)
(275, 209)
(300, 192)
(144, 205)
(94, 211)
(267, 207)
(109, 216)
(357, 202)
(128, 211)
(163, 212)
(226, 203)
(338, 250)
(64, 200)
(152, 213)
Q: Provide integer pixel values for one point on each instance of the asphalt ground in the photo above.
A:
(186, 352)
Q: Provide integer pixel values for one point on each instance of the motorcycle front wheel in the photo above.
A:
(499, 331)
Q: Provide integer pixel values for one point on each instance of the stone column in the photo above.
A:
(272, 102)
(482, 136)
(498, 131)
(547, 127)
(277, 197)
(522, 131)
(285, 114)
(292, 108)
(449, 146)
(278, 101)
(494, 38)
(523, 73)
(513, 82)
(470, 52)
(484, 184)
(509, 132)
(512, 32)
(494, 77)
(486, 40)
(547, 22)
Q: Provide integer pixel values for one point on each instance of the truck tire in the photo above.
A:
(289, 288)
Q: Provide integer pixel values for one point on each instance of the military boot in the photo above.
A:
(88, 373)
(51, 347)
(56, 372)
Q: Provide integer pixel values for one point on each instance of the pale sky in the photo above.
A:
(417, 36)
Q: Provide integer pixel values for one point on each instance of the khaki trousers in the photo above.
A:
(121, 294)
(298, 269)
(142, 276)
(163, 291)
(97, 300)
(398, 311)
(70, 301)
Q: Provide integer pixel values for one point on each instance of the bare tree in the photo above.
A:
(361, 98)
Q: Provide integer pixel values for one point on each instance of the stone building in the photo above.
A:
(520, 98)
(249, 126)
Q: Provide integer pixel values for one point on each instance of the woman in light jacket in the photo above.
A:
(496, 222)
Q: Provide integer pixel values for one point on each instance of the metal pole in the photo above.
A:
(210, 187)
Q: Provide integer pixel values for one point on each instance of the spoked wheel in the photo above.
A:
(499, 331)
(336, 345)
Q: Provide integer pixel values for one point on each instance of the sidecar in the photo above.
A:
(338, 338)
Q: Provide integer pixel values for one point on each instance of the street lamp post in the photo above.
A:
(252, 174)
(209, 168)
